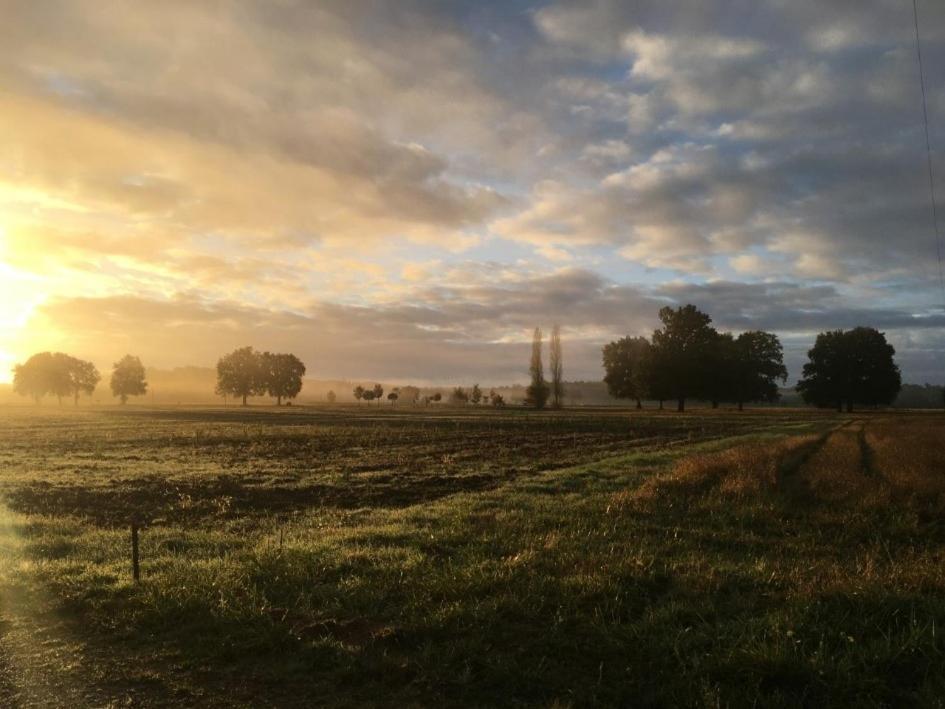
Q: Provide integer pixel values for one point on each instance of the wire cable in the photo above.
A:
(928, 152)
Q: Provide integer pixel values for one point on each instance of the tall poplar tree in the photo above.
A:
(557, 372)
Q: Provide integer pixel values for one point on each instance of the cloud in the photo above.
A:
(440, 177)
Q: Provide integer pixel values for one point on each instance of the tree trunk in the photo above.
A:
(681, 404)
(661, 404)
(278, 401)
(715, 404)
(124, 399)
(244, 399)
(75, 401)
(639, 404)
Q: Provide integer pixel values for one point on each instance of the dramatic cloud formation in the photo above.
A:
(403, 190)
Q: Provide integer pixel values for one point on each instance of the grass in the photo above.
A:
(392, 558)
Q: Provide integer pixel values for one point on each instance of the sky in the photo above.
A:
(404, 190)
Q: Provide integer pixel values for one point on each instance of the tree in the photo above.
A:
(555, 364)
(680, 350)
(359, 392)
(850, 367)
(55, 373)
(496, 399)
(368, 395)
(625, 368)
(378, 393)
(241, 373)
(331, 397)
(392, 397)
(537, 392)
(459, 396)
(436, 397)
(756, 367)
(128, 378)
(410, 394)
(719, 361)
(475, 394)
(283, 375)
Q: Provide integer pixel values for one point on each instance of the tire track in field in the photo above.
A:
(790, 478)
(841, 469)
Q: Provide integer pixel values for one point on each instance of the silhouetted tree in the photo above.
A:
(436, 397)
(537, 392)
(497, 400)
(241, 373)
(625, 368)
(331, 397)
(756, 366)
(719, 362)
(55, 373)
(679, 352)
(459, 396)
(475, 394)
(368, 395)
(283, 375)
(392, 397)
(128, 378)
(850, 367)
(555, 364)
(378, 393)
(358, 393)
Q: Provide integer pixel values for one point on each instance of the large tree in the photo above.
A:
(555, 364)
(283, 374)
(83, 377)
(55, 373)
(128, 378)
(625, 368)
(756, 367)
(852, 367)
(241, 373)
(681, 350)
(537, 392)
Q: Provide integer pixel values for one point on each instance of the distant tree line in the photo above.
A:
(246, 372)
(687, 358)
(61, 375)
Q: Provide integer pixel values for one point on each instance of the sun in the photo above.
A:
(22, 293)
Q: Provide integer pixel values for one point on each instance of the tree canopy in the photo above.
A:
(128, 378)
(246, 372)
(283, 375)
(689, 358)
(57, 374)
(851, 367)
(680, 351)
(625, 368)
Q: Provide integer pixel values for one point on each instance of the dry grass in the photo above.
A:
(910, 455)
(838, 473)
(735, 474)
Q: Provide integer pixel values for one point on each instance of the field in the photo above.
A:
(370, 556)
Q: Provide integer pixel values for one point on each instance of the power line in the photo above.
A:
(928, 151)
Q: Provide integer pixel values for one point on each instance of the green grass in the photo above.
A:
(468, 558)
